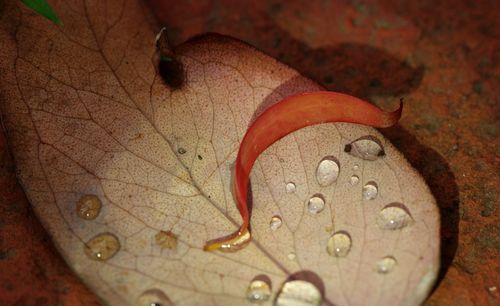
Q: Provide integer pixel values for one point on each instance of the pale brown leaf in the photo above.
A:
(87, 114)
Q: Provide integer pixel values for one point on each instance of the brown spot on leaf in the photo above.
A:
(166, 240)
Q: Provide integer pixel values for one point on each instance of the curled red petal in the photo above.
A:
(283, 118)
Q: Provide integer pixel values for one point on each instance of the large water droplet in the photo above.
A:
(166, 240)
(258, 292)
(386, 264)
(152, 297)
(354, 180)
(327, 171)
(238, 244)
(102, 247)
(290, 187)
(366, 147)
(88, 207)
(394, 216)
(370, 190)
(316, 204)
(299, 293)
(339, 244)
(275, 223)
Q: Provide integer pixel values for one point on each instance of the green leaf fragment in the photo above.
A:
(44, 9)
(165, 58)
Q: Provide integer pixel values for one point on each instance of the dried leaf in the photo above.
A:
(87, 114)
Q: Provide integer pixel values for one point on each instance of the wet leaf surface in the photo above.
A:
(87, 114)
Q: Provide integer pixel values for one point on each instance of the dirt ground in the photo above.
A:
(441, 56)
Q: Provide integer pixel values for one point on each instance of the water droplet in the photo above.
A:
(291, 256)
(339, 244)
(316, 204)
(366, 147)
(290, 187)
(239, 243)
(394, 216)
(493, 291)
(355, 167)
(258, 292)
(102, 247)
(299, 293)
(370, 190)
(153, 297)
(88, 207)
(275, 222)
(386, 264)
(166, 240)
(181, 151)
(327, 171)
(354, 180)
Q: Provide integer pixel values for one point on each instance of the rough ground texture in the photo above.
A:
(442, 58)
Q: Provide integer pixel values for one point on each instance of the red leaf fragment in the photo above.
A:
(281, 119)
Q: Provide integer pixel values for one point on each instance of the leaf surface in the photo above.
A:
(87, 114)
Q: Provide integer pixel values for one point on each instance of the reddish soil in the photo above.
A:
(442, 57)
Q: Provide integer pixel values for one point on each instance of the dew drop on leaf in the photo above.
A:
(291, 256)
(355, 167)
(153, 297)
(290, 187)
(181, 151)
(88, 207)
(300, 293)
(366, 147)
(102, 247)
(339, 244)
(316, 204)
(275, 223)
(386, 264)
(327, 171)
(354, 180)
(394, 216)
(370, 190)
(258, 292)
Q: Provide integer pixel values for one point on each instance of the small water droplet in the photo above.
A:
(355, 167)
(291, 256)
(153, 297)
(339, 244)
(290, 187)
(354, 180)
(366, 147)
(299, 293)
(386, 264)
(316, 204)
(370, 190)
(258, 292)
(166, 240)
(493, 291)
(394, 216)
(238, 244)
(88, 207)
(327, 171)
(275, 223)
(102, 247)
(181, 151)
